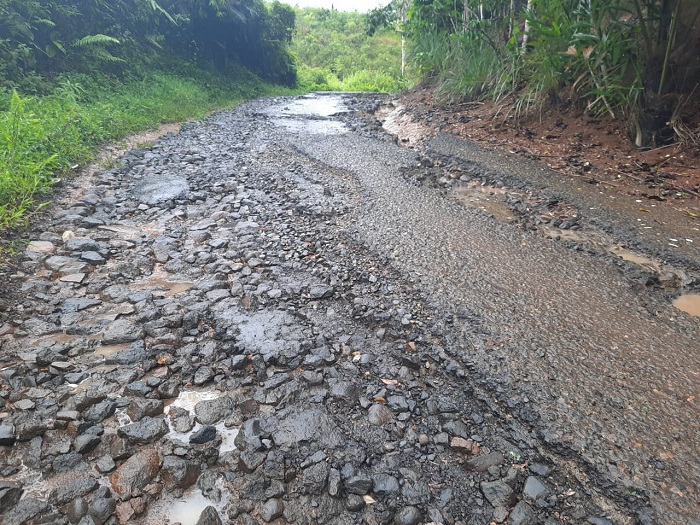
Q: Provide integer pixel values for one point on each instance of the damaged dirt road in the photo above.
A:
(279, 315)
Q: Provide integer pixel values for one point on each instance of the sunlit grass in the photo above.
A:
(41, 137)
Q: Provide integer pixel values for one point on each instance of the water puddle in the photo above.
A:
(688, 303)
(164, 288)
(106, 351)
(312, 127)
(188, 509)
(635, 258)
(314, 104)
(187, 401)
(483, 198)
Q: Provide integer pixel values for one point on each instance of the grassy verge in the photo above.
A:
(323, 79)
(44, 136)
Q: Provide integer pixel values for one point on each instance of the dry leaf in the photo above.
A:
(391, 382)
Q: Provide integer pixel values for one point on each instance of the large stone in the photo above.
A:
(385, 485)
(534, 488)
(7, 434)
(203, 435)
(272, 509)
(379, 415)
(75, 488)
(10, 494)
(136, 472)
(456, 428)
(148, 430)
(140, 408)
(25, 511)
(122, 331)
(178, 473)
(483, 462)
(498, 493)
(209, 516)
(159, 188)
(359, 485)
(522, 514)
(211, 411)
(408, 516)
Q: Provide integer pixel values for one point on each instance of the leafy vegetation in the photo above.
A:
(337, 52)
(77, 73)
(42, 136)
(635, 60)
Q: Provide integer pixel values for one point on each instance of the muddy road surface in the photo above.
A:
(283, 314)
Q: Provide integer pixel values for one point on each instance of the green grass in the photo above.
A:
(322, 79)
(42, 137)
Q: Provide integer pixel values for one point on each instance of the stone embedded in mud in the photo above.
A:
(136, 472)
(534, 488)
(10, 494)
(75, 488)
(314, 478)
(272, 509)
(408, 516)
(320, 291)
(178, 473)
(359, 485)
(203, 375)
(522, 514)
(385, 485)
(203, 435)
(498, 493)
(379, 415)
(25, 511)
(142, 432)
(249, 461)
(354, 503)
(483, 462)
(7, 434)
(122, 331)
(209, 516)
(210, 411)
(456, 428)
(139, 408)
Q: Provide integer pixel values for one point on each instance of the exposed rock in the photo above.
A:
(209, 516)
(148, 430)
(483, 462)
(122, 331)
(522, 514)
(272, 509)
(408, 516)
(498, 493)
(178, 473)
(379, 415)
(136, 472)
(73, 489)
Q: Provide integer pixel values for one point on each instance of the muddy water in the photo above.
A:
(689, 303)
(611, 376)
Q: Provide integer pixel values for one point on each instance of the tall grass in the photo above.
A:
(323, 79)
(44, 136)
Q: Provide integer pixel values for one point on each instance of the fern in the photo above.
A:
(95, 40)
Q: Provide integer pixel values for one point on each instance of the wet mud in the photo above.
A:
(288, 314)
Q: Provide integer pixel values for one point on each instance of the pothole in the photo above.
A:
(688, 303)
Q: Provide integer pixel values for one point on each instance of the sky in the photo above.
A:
(340, 5)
